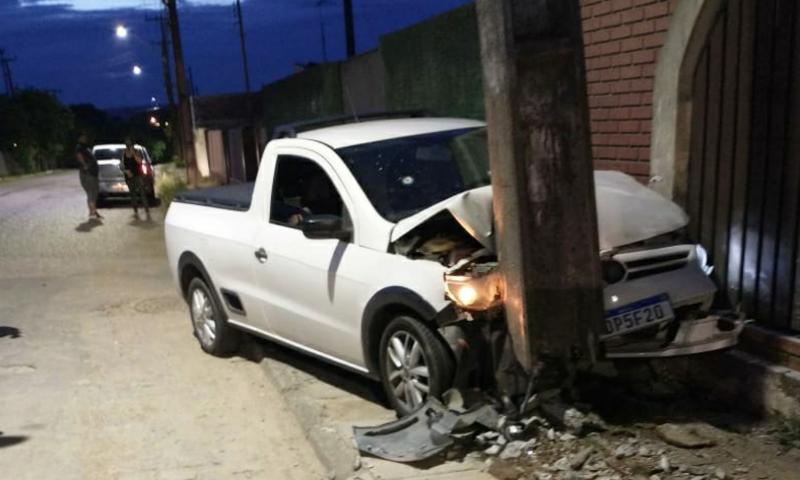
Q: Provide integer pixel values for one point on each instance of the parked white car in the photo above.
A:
(369, 245)
(111, 179)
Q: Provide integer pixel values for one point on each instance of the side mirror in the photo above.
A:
(324, 226)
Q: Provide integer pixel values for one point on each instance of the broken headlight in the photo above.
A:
(474, 290)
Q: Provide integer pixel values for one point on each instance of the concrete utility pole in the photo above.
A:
(244, 48)
(163, 44)
(5, 63)
(186, 134)
(542, 176)
(322, 32)
(349, 32)
(162, 23)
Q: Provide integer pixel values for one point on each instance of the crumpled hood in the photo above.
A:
(627, 212)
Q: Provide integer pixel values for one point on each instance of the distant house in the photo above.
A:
(228, 137)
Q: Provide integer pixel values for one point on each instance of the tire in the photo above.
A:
(209, 324)
(404, 379)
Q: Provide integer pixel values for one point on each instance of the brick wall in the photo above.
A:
(622, 39)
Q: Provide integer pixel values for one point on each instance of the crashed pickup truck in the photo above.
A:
(370, 245)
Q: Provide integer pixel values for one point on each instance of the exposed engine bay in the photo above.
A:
(657, 291)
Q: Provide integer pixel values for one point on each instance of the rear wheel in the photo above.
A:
(208, 320)
(415, 364)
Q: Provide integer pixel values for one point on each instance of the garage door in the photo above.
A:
(744, 168)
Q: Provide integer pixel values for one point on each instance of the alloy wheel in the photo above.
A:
(205, 325)
(407, 369)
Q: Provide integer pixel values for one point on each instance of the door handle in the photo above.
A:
(261, 255)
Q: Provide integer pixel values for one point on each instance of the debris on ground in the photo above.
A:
(617, 437)
(684, 436)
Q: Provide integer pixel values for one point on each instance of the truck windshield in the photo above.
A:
(402, 176)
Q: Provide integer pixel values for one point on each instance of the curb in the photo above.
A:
(336, 453)
(741, 380)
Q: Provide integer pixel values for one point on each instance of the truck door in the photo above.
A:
(308, 295)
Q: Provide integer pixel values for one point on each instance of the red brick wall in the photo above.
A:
(622, 39)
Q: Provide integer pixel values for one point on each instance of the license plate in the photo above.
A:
(638, 315)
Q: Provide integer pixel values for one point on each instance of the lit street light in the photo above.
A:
(137, 70)
(121, 31)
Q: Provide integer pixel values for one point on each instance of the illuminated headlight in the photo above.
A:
(474, 293)
(701, 255)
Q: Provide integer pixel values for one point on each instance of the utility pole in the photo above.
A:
(5, 63)
(322, 32)
(184, 109)
(349, 32)
(542, 177)
(162, 24)
(242, 43)
(192, 85)
(165, 66)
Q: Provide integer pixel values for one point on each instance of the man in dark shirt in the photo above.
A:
(88, 172)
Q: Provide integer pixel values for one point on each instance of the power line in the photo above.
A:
(5, 62)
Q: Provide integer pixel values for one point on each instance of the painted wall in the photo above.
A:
(436, 66)
(364, 83)
(312, 93)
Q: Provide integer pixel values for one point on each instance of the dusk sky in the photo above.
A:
(69, 45)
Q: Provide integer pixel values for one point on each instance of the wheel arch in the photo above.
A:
(189, 267)
(381, 308)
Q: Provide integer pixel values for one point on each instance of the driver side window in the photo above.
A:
(302, 188)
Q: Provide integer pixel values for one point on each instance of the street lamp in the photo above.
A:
(121, 31)
(137, 70)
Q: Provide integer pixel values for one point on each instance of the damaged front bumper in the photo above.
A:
(714, 332)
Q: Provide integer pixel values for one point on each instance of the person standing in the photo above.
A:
(88, 172)
(132, 167)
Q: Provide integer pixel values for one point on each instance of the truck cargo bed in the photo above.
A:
(229, 197)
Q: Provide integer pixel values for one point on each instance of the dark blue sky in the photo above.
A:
(69, 45)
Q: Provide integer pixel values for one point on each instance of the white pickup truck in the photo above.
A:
(369, 245)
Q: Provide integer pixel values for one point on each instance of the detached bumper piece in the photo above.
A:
(423, 434)
(714, 332)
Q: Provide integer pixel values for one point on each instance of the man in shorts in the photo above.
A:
(88, 172)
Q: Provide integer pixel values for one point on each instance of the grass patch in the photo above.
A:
(169, 183)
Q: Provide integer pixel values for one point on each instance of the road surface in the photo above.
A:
(100, 377)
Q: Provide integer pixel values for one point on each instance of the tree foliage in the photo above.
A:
(34, 127)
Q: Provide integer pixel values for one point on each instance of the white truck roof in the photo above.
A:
(357, 133)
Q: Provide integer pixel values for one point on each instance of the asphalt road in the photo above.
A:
(100, 377)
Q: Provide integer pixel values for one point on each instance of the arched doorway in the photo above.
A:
(743, 177)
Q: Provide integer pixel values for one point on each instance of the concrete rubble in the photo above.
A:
(556, 440)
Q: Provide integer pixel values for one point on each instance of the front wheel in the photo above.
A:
(208, 320)
(415, 364)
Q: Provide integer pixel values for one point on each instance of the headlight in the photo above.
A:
(474, 293)
(701, 255)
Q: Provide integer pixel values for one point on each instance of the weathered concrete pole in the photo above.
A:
(542, 175)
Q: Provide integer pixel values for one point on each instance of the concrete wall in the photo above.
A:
(435, 65)
(201, 152)
(313, 93)
(364, 83)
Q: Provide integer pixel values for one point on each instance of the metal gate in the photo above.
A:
(744, 159)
